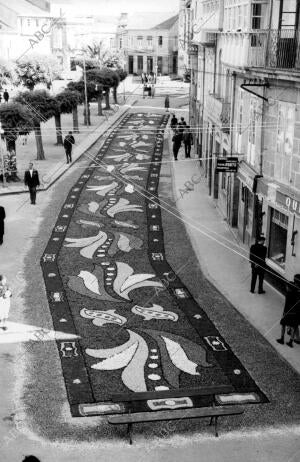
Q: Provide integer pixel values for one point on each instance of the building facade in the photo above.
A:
(246, 102)
(153, 49)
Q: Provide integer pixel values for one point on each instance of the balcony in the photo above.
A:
(219, 110)
(274, 49)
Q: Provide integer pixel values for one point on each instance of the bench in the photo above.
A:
(214, 412)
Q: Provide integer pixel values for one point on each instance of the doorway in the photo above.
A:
(149, 64)
(130, 64)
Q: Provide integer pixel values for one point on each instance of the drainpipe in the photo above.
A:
(203, 96)
(268, 33)
(232, 109)
(262, 136)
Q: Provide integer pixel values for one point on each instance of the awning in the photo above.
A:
(248, 176)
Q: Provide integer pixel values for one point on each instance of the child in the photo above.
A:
(5, 295)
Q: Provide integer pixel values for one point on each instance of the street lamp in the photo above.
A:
(2, 152)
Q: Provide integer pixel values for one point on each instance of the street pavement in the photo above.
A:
(24, 239)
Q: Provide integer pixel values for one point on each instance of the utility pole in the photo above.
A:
(2, 150)
(85, 93)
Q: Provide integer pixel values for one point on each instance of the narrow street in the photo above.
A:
(120, 304)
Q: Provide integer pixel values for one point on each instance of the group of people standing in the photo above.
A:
(290, 320)
(148, 82)
(181, 134)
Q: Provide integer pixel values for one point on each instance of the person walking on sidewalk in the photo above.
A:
(174, 122)
(68, 145)
(6, 96)
(291, 312)
(176, 143)
(188, 141)
(258, 253)
(31, 179)
(2, 218)
(5, 295)
(167, 103)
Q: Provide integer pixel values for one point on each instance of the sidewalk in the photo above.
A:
(54, 166)
(223, 259)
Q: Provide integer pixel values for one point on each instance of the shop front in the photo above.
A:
(250, 206)
(281, 225)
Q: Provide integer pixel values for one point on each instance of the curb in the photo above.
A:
(51, 183)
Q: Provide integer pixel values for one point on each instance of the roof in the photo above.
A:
(24, 8)
(168, 23)
(144, 21)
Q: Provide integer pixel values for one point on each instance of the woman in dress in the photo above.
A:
(5, 295)
(291, 312)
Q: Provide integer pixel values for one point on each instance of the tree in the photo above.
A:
(67, 102)
(34, 69)
(97, 52)
(6, 72)
(104, 78)
(91, 93)
(16, 120)
(43, 107)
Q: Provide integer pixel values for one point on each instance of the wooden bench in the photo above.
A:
(214, 412)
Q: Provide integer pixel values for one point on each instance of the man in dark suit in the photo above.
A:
(68, 145)
(2, 218)
(258, 253)
(31, 179)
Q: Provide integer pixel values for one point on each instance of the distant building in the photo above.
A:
(148, 46)
(185, 34)
(26, 26)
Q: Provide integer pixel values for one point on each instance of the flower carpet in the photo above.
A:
(135, 325)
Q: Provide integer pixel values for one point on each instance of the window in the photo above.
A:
(120, 43)
(149, 41)
(258, 14)
(28, 22)
(37, 23)
(160, 40)
(285, 141)
(140, 41)
(278, 237)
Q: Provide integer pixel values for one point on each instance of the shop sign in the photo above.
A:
(227, 164)
(289, 203)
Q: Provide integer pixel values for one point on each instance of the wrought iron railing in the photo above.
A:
(276, 48)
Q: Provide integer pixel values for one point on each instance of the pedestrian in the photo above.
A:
(188, 141)
(2, 218)
(6, 96)
(143, 78)
(181, 127)
(68, 145)
(176, 143)
(258, 253)
(5, 295)
(174, 122)
(167, 103)
(152, 90)
(291, 312)
(30, 459)
(31, 179)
